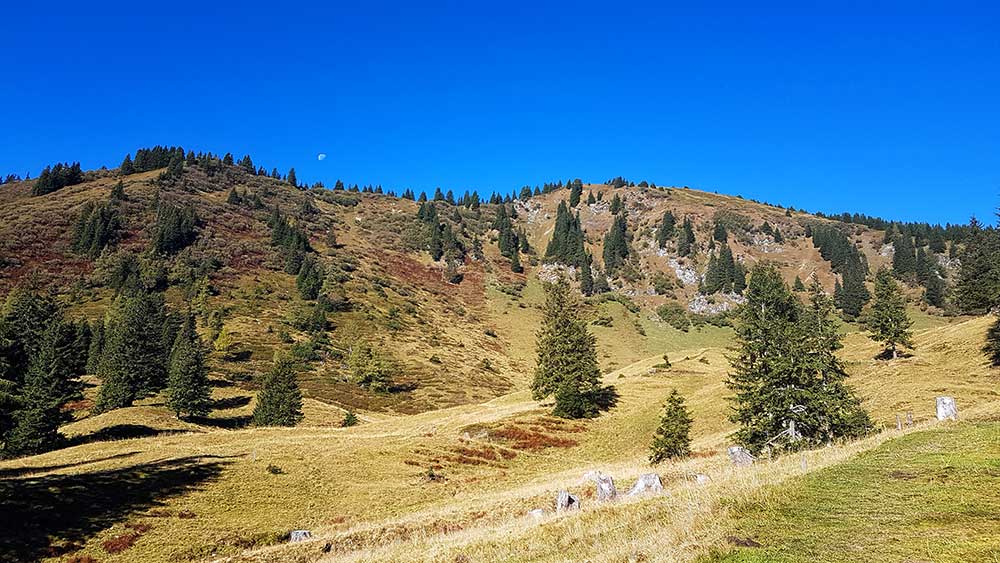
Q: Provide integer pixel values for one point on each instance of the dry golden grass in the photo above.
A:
(365, 489)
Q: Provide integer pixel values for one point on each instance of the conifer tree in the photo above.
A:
(685, 239)
(350, 419)
(515, 262)
(673, 437)
(292, 179)
(310, 278)
(590, 198)
(886, 321)
(798, 286)
(784, 369)
(904, 261)
(616, 245)
(720, 234)
(279, 401)
(586, 277)
(616, 205)
(132, 361)
(126, 166)
(567, 357)
(666, 229)
(188, 389)
(574, 195)
(936, 291)
(977, 288)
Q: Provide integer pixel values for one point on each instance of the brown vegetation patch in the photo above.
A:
(521, 438)
(120, 542)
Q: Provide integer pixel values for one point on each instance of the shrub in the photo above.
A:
(675, 315)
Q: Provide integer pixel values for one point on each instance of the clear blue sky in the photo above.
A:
(885, 108)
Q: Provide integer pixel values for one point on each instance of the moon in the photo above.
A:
(321, 156)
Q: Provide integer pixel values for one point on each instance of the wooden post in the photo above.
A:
(909, 418)
(899, 423)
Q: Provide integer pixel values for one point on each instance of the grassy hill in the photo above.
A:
(447, 464)
(196, 492)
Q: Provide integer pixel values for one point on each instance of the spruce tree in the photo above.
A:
(567, 357)
(590, 198)
(586, 277)
(132, 361)
(574, 195)
(188, 389)
(616, 245)
(673, 437)
(685, 239)
(886, 321)
(798, 286)
(936, 291)
(279, 401)
(616, 205)
(666, 229)
(784, 369)
(515, 262)
(904, 261)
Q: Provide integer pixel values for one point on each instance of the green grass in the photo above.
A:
(928, 496)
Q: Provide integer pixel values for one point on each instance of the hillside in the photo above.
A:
(448, 460)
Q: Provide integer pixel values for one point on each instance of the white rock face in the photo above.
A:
(551, 272)
(702, 479)
(647, 483)
(740, 456)
(887, 251)
(686, 275)
(566, 501)
(766, 244)
(946, 408)
(719, 303)
(297, 536)
(537, 513)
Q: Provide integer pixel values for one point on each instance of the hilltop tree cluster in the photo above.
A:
(566, 246)
(57, 177)
(850, 294)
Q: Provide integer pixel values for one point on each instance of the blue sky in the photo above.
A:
(891, 109)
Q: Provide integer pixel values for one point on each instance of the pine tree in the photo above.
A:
(279, 402)
(310, 278)
(126, 167)
(904, 261)
(685, 239)
(515, 262)
(567, 357)
(936, 291)
(188, 389)
(720, 234)
(616, 205)
(350, 419)
(785, 370)
(132, 360)
(977, 288)
(666, 229)
(291, 178)
(616, 245)
(673, 437)
(886, 321)
(590, 198)
(586, 277)
(574, 195)
(798, 286)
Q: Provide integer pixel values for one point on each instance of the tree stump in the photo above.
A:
(297, 536)
(740, 456)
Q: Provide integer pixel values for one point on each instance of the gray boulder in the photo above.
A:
(537, 513)
(566, 501)
(297, 536)
(647, 483)
(605, 487)
(946, 408)
(740, 456)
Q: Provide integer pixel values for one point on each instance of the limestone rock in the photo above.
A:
(605, 487)
(946, 408)
(702, 479)
(297, 536)
(647, 483)
(566, 501)
(740, 456)
(537, 513)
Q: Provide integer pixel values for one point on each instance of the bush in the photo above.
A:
(350, 419)
(675, 315)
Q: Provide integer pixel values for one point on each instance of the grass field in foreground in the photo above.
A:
(927, 496)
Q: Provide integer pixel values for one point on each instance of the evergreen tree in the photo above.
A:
(685, 239)
(977, 288)
(574, 195)
(784, 370)
(853, 294)
(616, 205)
(292, 179)
(350, 419)
(310, 278)
(673, 437)
(904, 261)
(132, 362)
(279, 402)
(886, 320)
(720, 234)
(590, 198)
(666, 230)
(515, 262)
(616, 245)
(566, 245)
(936, 291)
(371, 368)
(567, 357)
(126, 166)
(798, 286)
(586, 277)
(188, 389)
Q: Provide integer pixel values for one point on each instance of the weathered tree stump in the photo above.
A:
(740, 456)
(565, 501)
(702, 479)
(537, 513)
(297, 536)
(647, 483)
(946, 408)
(605, 487)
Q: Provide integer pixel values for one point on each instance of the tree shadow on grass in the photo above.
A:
(121, 432)
(19, 471)
(38, 512)
(227, 403)
(228, 422)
